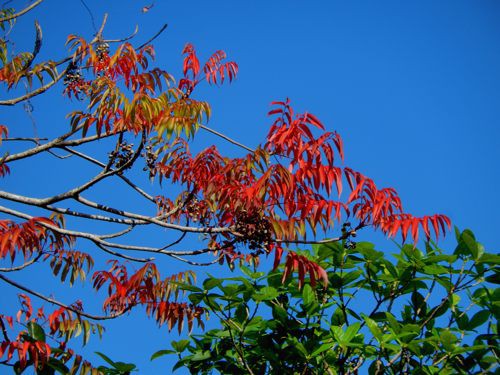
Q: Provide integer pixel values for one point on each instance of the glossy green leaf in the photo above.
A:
(161, 353)
(267, 293)
(479, 319)
(36, 331)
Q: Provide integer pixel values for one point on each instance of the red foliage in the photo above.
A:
(287, 188)
(29, 237)
(146, 288)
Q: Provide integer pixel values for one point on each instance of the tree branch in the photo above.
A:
(98, 239)
(60, 304)
(136, 30)
(153, 37)
(20, 13)
(22, 266)
(225, 137)
(41, 148)
(33, 93)
(125, 179)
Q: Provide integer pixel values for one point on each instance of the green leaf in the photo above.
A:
(338, 317)
(196, 298)
(58, 366)
(189, 288)
(180, 364)
(211, 283)
(308, 295)
(435, 270)
(353, 313)
(393, 323)
(351, 276)
(36, 331)
(478, 319)
(124, 367)
(161, 353)
(267, 293)
(345, 337)
(490, 259)
(249, 273)
(470, 241)
(241, 313)
(280, 313)
(373, 327)
(106, 358)
(324, 250)
(180, 346)
(494, 279)
(448, 340)
(351, 331)
(86, 331)
(201, 355)
(322, 348)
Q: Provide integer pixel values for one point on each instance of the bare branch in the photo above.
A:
(125, 179)
(84, 215)
(225, 137)
(98, 36)
(98, 240)
(153, 37)
(27, 139)
(41, 148)
(41, 203)
(77, 190)
(123, 39)
(60, 304)
(117, 234)
(153, 220)
(33, 93)
(22, 266)
(20, 13)
(142, 260)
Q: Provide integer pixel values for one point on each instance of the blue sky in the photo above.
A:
(412, 87)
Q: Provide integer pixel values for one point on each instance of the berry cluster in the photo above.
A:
(197, 211)
(102, 50)
(74, 82)
(150, 158)
(102, 53)
(254, 229)
(73, 74)
(121, 155)
(348, 233)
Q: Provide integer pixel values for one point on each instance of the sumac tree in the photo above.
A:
(136, 124)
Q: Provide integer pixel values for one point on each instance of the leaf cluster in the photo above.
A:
(418, 312)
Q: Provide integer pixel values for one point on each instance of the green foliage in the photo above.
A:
(117, 368)
(419, 312)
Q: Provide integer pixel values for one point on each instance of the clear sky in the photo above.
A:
(413, 87)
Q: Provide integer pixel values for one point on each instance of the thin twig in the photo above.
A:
(225, 137)
(117, 234)
(101, 164)
(153, 37)
(120, 255)
(22, 266)
(27, 139)
(123, 39)
(60, 304)
(4, 330)
(41, 148)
